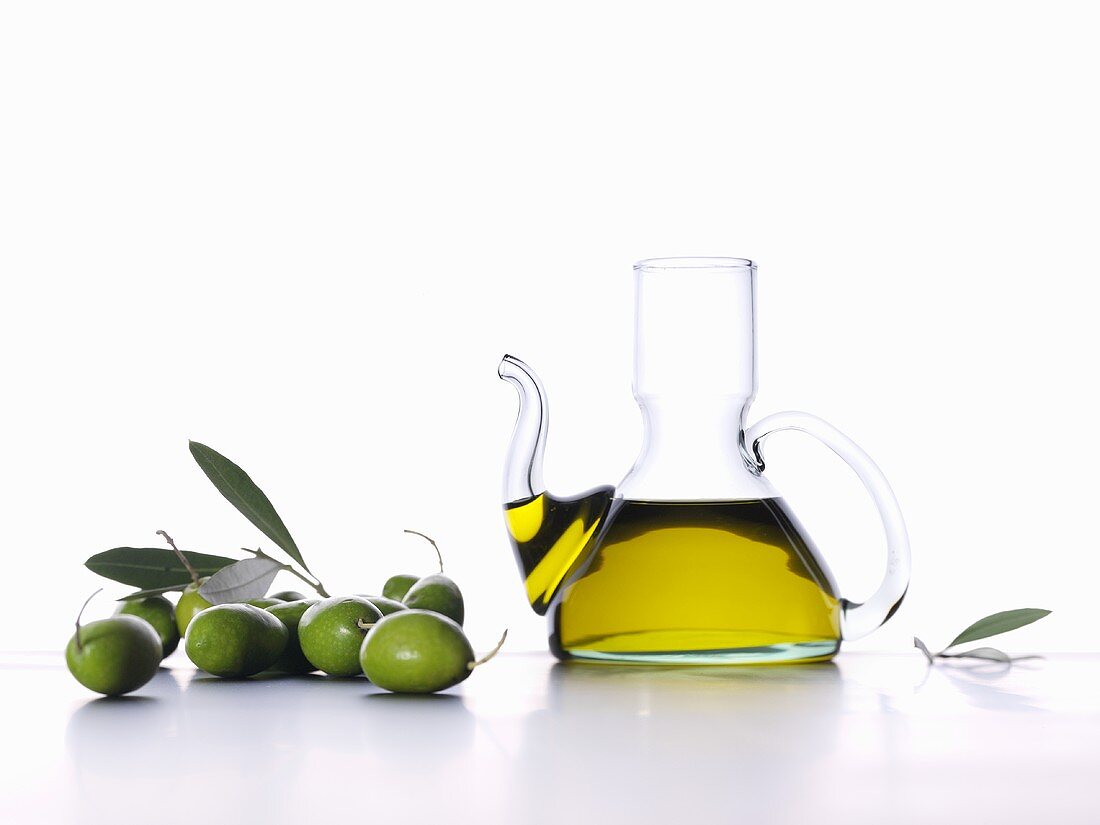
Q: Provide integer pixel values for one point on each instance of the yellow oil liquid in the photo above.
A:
(549, 536)
(675, 582)
(720, 582)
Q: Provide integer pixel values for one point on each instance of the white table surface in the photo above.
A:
(871, 738)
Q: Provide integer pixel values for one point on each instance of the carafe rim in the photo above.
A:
(715, 262)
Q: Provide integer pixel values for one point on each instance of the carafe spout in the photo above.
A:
(549, 534)
(523, 465)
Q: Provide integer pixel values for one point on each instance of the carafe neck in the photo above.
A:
(693, 449)
(694, 378)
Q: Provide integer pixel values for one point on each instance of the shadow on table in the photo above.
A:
(657, 740)
(268, 726)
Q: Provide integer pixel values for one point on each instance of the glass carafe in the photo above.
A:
(694, 557)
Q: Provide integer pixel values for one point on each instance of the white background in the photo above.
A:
(305, 234)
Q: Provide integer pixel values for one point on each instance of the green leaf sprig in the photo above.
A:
(992, 625)
(159, 570)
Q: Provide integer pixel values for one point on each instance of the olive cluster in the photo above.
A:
(409, 640)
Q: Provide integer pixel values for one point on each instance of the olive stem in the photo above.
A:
(432, 541)
(364, 625)
(194, 573)
(489, 655)
(79, 641)
(315, 584)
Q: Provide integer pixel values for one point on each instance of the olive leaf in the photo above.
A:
(988, 653)
(917, 643)
(998, 623)
(151, 567)
(247, 579)
(242, 492)
(991, 625)
(152, 591)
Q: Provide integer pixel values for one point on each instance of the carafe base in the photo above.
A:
(788, 653)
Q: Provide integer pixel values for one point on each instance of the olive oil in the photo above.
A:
(675, 582)
(699, 582)
(549, 536)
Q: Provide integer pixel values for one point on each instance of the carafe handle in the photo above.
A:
(856, 619)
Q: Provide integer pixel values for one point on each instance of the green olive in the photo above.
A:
(235, 640)
(437, 593)
(288, 596)
(158, 611)
(190, 603)
(330, 633)
(265, 602)
(397, 586)
(417, 651)
(385, 606)
(290, 614)
(114, 656)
